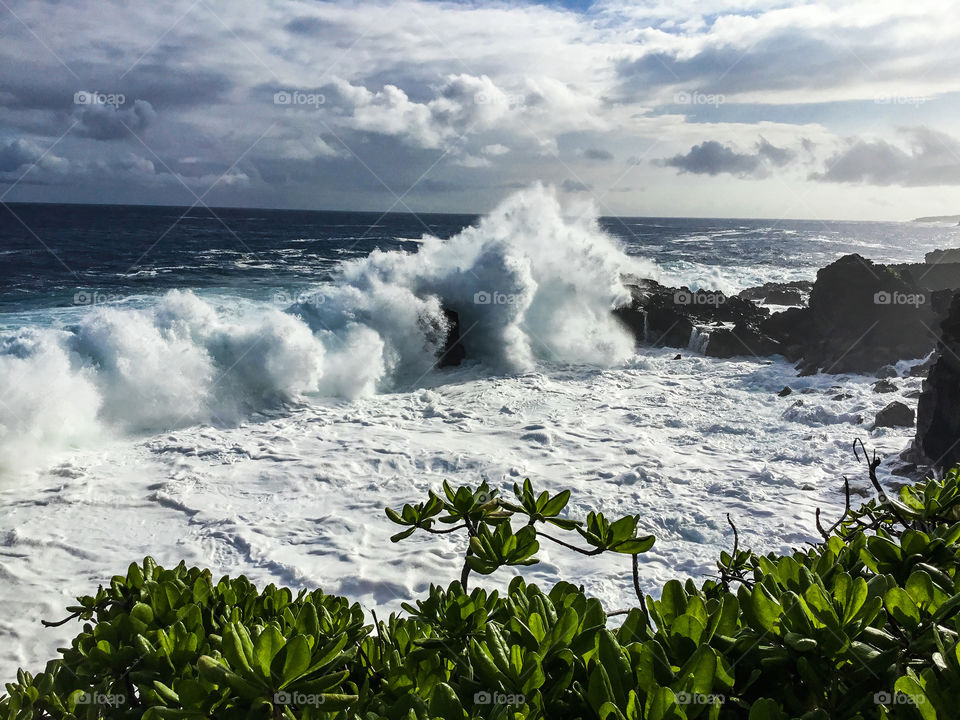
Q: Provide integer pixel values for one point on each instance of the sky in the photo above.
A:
(709, 108)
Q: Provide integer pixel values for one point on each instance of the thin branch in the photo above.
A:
(872, 465)
(444, 532)
(736, 536)
(595, 551)
(846, 512)
(47, 623)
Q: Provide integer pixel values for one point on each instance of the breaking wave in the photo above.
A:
(528, 282)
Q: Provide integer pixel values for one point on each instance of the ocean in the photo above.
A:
(247, 389)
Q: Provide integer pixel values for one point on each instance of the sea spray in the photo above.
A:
(529, 285)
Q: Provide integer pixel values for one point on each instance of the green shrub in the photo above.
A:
(863, 625)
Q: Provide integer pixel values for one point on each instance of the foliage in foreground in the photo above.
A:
(864, 625)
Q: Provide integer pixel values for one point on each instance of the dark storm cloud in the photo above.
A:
(933, 158)
(713, 158)
(108, 122)
(597, 154)
(575, 186)
(177, 87)
(18, 153)
(309, 26)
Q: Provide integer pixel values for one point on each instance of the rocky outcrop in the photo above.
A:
(679, 317)
(861, 317)
(774, 293)
(951, 255)
(896, 414)
(743, 338)
(938, 409)
(932, 277)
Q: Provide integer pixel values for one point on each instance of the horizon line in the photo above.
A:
(462, 214)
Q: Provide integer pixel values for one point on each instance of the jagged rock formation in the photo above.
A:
(938, 409)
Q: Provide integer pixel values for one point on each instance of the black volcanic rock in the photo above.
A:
(453, 352)
(885, 386)
(938, 409)
(861, 316)
(896, 414)
(774, 293)
(665, 316)
(934, 257)
(742, 339)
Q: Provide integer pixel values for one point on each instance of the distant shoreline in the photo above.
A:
(938, 218)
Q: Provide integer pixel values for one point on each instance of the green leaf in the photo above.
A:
(403, 534)
(766, 610)
(265, 648)
(901, 608)
(297, 659)
(556, 504)
(445, 703)
(635, 546)
(910, 687)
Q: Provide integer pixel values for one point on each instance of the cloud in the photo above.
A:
(495, 150)
(809, 52)
(111, 122)
(932, 158)
(24, 161)
(713, 158)
(597, 154)
(18, 153)
(482, 95)
(575, 186)
(462, 104)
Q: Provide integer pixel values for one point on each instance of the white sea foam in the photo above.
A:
(296, 497)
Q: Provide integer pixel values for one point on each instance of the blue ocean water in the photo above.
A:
(58, 256)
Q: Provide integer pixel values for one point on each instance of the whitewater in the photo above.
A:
(265, 436)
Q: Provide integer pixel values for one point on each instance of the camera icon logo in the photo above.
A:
(682, 297)
(282, 97)
(482, 298)
(282, 698)
(81, 97)
(482, 697)
(882, 298)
